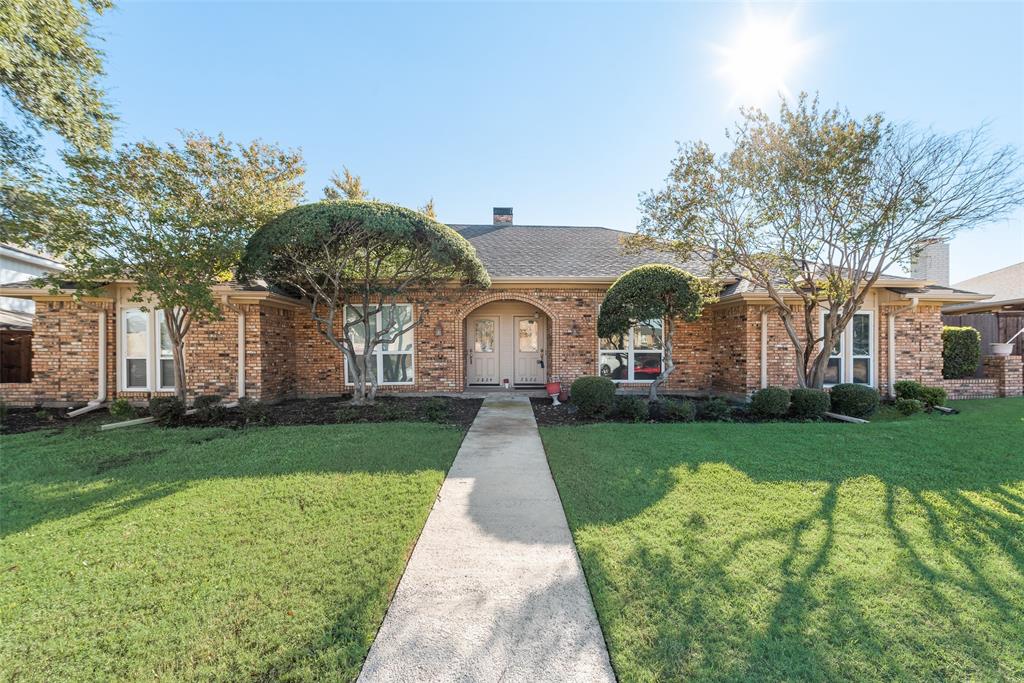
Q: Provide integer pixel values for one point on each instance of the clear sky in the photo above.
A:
(563, 111)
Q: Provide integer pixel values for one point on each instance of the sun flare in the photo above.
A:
(761, 56)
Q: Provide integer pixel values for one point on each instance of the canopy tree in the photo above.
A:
(175, 220)
(350, 186)
(653, 292)
(355, 262)
(814, 207)
(49, 76)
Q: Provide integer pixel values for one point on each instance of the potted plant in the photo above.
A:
(553, 389)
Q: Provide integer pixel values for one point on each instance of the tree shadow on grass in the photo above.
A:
(51, 477)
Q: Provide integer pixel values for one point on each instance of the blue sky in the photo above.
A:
(563, 111)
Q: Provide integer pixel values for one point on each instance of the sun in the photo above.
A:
(760, 57)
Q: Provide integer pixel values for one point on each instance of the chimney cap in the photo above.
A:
(503, 211)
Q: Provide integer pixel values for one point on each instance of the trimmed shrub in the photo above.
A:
(908, 406)
(593, 396)
(122, 409)
(854, 400)
(770, 403)
(809, 404)
(715, 410)
(673, 410)
(929, 396)
(167, 409)
(436, 409)
(209, 408)
(631, 408)
(253, 411)
(961, 352)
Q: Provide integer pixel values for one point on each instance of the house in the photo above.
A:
(997, 318)
(536, 322)
(18, 264)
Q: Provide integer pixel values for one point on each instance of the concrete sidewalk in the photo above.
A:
(494, 589)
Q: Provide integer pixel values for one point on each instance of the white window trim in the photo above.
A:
(630, 355)
(379, 353)
(846, 349)
(154, 375)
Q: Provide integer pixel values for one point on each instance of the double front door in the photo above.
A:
(505, 347)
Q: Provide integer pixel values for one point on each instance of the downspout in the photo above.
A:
(764, 348)
(892, 343)
(101, 384)
(241, 344)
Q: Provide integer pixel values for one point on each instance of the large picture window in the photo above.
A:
(635, 356)
(392, 361)
(853, 358)
(147, 359)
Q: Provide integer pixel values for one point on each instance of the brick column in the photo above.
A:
(1008, 371)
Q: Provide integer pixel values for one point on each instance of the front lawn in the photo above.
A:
(821, 551)
(199, 554)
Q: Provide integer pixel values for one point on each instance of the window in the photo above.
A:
(392, 360)
(635, 356)
(852, 359)
(144, 354)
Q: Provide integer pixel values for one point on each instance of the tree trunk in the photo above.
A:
(668, 365)
(176, 330)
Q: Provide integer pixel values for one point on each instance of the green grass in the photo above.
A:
(199, 554)
(888, 551)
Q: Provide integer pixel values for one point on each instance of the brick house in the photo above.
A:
(536, 322)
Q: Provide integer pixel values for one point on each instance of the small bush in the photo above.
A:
(167, 409)
(593, 396)
(391, 410)
(929, 396)
(908, 406)
(715, 410)
(209, 408)
(122, 409)
(961, 351)
(253, 411)
(672, 410)
(436, 409)
(631, 408)
(770, 403)
(809, 404)
(854, 400)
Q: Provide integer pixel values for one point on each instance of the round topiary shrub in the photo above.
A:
(770, 403)
(908, 406)
(854, 400)
(715, 410)
(593, 396)
(167, 409)
(631, 409)
(906, 388)
(809, 404)
(209, 408)
(122, 409)
(961, 351)
(933, 396)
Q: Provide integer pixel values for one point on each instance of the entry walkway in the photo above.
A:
(494, 590)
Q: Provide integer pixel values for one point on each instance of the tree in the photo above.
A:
(353, 260)
(349, 187)
(653, 292)
(49, 75)
(175, 220)
(816, 206)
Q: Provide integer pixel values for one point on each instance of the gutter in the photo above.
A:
(241, 344)
(892, 342)
(764, 348)
(101, 388)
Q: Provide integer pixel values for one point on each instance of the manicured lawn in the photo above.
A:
(804, 551)
(199, 554)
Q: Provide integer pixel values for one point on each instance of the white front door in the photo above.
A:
(482, 350)
(528, 355)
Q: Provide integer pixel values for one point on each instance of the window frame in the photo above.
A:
(631, 352)
(379, 352)
(155, 326)
(846, 355)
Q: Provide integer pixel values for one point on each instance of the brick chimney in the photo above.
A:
(932, 262)
(503, 215)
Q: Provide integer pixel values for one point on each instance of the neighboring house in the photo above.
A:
(536, 322)
(1001, 315)
(19, 264)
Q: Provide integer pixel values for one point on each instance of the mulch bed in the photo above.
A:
(458, 412)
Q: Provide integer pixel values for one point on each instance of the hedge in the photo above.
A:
(961, 352)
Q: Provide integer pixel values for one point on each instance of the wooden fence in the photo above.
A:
(993, 327)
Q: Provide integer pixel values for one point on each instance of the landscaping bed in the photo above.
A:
(20, 420)
(549, 415)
